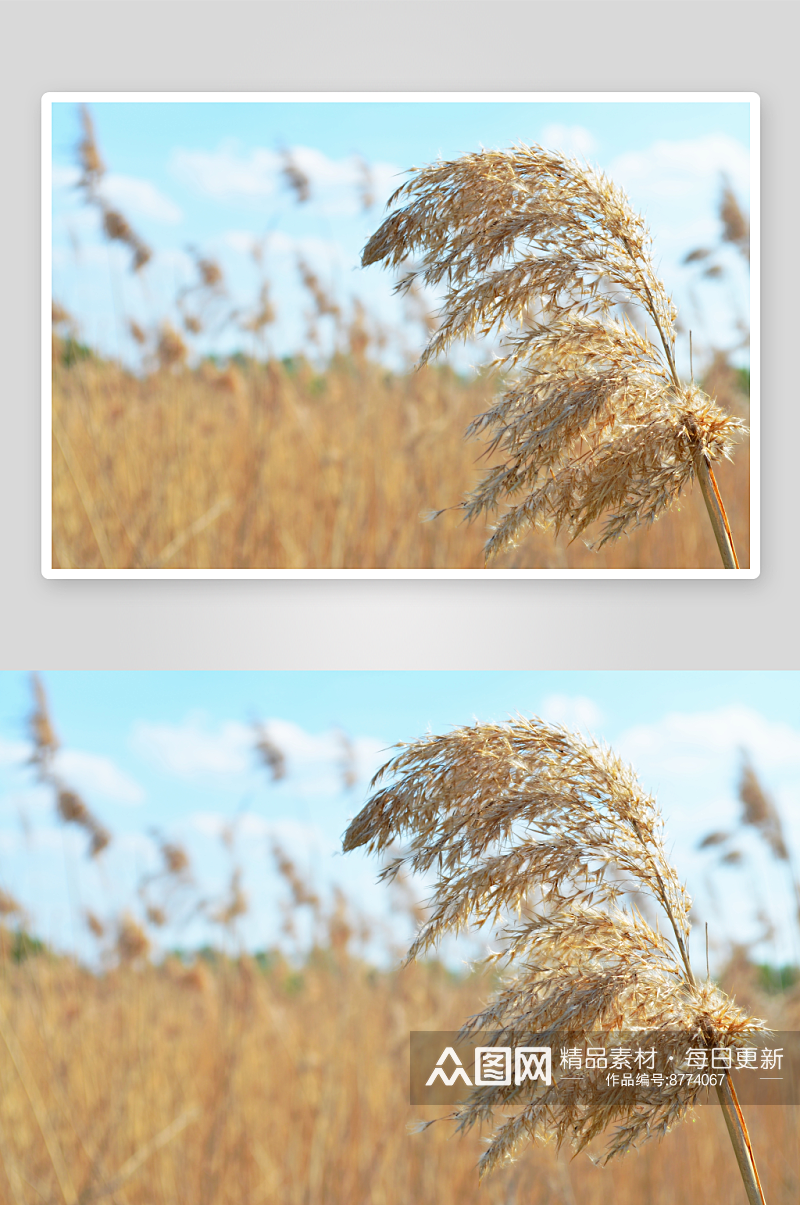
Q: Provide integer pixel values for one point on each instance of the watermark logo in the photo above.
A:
(439, 1071)
(533, 1063)
(446, 1067)
(493, 1066)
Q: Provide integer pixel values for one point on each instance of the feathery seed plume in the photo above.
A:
(94, 925)
(61, 316)
(71, 808)
(176, 859)
(596, 423)
(759, 810)
(736, 227)
(136, 331)
(45, 741)
(530, 821)
(295, 177)
(171, 351)
(270, 754)
(133, 944)
(323, 300)
(8, 905)
(89, 155)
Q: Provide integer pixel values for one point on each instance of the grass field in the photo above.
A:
(283, 465)
(256, 1081)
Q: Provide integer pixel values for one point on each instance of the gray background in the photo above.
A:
(446, 46)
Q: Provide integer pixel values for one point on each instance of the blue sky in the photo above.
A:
(173, 752)
(208, 176)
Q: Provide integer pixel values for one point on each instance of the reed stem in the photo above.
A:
(740, 1139)
(716, 511)
(734, 1118)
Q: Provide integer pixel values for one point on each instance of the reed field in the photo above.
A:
(232, 1081)
(155, 1075)
(291, 467)
(334, 460)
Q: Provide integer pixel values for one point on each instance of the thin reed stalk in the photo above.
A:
(39, 1110)
(716, 510)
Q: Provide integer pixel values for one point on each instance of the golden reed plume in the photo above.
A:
(531, 821)
(596, 423)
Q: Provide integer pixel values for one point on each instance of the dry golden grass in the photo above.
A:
(225, 1084)
(270, 468)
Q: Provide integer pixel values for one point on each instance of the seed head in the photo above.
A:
(545, 834)
(550, 256)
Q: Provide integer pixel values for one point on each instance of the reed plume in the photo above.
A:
(760, 811)
(530, 820)
(115, 225)
(69, 805)
(596, 423)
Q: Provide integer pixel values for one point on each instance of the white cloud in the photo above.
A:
(691, 761)
(242, 241)
(23, 805)
(89, 773)
(10, 842)
(200, 747)
(14, 753)
(100, 255)
(684, 170)
(677, 187)
(297, 838)
(687, 744)
(570, 140)
(231, 174)
(139, 198)
(125, 845)
(194, 747)
(76, 223)
(93, 775)
(64, 176)
(59, 839)
(573, 711)
(225, 174)
(280, 244)
(136, 197)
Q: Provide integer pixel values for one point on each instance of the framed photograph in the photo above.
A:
(400, 335)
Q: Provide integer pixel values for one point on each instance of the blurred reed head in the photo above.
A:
(171, 351)
(94, 925)
(176, 859)
(759, 811)
(88, 154)
(295, 178)
(269, 753)
(9, 906)
(133, 944)
(303, 893)
(235, 904)
(324, 302)
(40, 726)
(735, 224)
